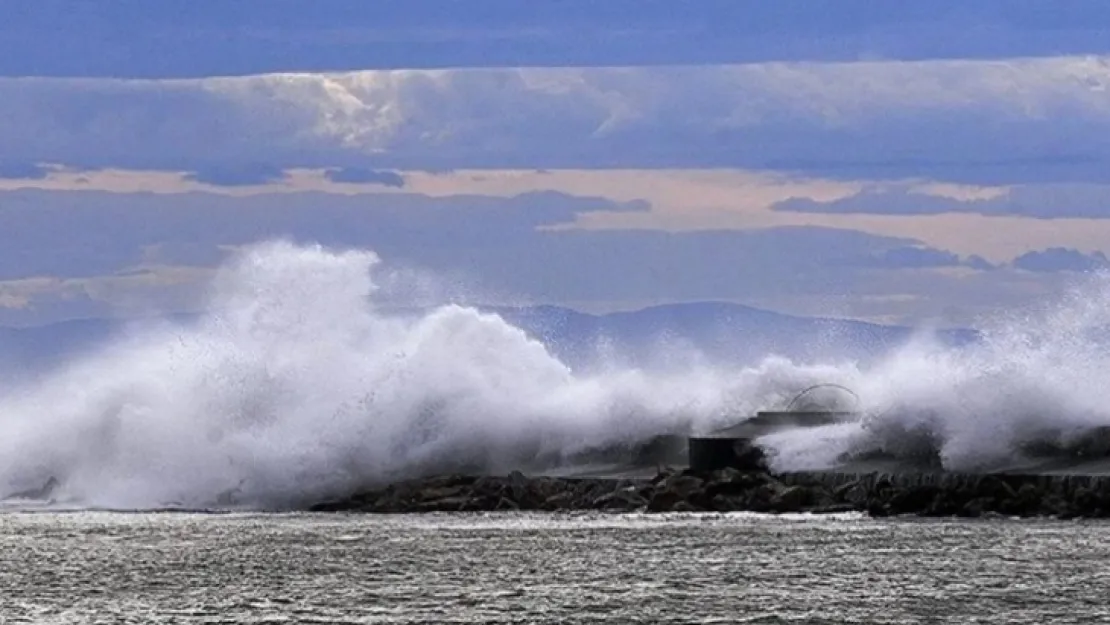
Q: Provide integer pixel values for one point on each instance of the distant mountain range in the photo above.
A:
(665, 334)
(719, 332)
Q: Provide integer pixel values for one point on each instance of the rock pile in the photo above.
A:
(756, 490)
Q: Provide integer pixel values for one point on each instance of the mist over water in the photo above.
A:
(294, 386)
(1036, 377)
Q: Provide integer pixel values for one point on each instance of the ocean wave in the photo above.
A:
(294, 386)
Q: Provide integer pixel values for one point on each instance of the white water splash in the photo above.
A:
(1036, 377)
(294, 387)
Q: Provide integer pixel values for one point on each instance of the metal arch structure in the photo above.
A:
(735, 446)
(840, 387)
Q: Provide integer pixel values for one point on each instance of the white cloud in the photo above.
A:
(77, 254)
(116, 288)
(794, 115)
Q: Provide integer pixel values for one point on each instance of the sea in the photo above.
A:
(151, 567)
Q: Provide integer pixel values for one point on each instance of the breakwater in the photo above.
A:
(730, 490)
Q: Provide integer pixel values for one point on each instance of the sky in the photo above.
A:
(895, 162)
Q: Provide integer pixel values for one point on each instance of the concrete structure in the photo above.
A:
(733, 446)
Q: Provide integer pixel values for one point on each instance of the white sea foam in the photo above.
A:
(294, 386)
(1035, 377)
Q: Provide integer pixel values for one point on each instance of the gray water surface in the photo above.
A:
(89, 567)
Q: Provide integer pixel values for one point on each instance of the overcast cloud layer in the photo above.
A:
(867, 111)
(1018, 120)
(72, 253)
(183, 38)
(1049, 201)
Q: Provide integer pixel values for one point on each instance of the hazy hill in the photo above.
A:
(718, 331)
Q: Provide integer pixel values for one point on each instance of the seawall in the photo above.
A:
(731, 490)
(1063, 484)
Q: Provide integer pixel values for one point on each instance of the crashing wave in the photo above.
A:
(295, 386)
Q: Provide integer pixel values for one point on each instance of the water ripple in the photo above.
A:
(509, 568)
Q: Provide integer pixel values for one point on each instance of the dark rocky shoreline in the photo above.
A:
(731, 490)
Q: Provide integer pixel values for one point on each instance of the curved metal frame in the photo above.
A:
(806, 390)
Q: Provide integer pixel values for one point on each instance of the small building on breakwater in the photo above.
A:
(1085, 454)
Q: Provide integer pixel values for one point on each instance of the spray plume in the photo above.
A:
(294, 386)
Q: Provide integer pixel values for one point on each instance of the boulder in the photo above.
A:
(664, 474)
(620, 500)
(491, 486)
(447, 504)
(854, 493)
(946, 502)
(760, 498)
(833, 508)
(876, 507)
(913, 500)
(441, 492)
(518, 486)
(673, 490)
(682, 485)
(664, 501)
(1052, 504)
(733, 482)
(560, 501)
(531, 493)
(728, 503)
(791, 499)
(977, 507)
(1087, 502)
(993, 487)
(1026, 501)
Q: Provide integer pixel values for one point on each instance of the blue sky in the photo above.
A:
(182, 38)
(889, 161)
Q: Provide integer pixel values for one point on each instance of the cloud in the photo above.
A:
(237, 175)
(978, 263)
(88, 248)
(358, 175)
(920, 257)
(881, 202)
(1016, 120)
(136, 292)
(1057, 259)
(1047, 201)
(52, 37)
(86, 233)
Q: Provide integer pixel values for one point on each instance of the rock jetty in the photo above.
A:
(728, 490)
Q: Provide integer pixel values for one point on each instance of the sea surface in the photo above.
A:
(101, 567)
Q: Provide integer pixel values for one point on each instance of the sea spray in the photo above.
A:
(1034, 378)
(293, 386)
